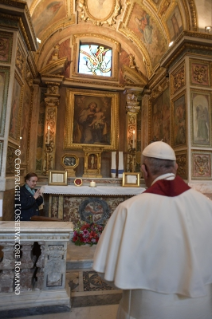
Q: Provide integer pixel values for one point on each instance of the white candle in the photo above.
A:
(92, 184)
(48, 134)
(133, 139)
(113, 164)
(121, 165)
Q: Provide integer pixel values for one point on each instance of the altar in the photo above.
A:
(71, 203)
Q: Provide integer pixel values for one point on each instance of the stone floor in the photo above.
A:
(90, 297)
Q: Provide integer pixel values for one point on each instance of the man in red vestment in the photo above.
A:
(157, 246)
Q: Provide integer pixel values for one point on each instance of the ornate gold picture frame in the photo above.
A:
(131, 179)
(70, 161)
(58, 178)
(91, 119)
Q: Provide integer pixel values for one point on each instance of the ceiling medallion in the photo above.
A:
(99, 11)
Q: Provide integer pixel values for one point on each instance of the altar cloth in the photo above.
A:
(94, 191)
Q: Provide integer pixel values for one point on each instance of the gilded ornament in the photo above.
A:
(181, 160)
(200, 73)
(19, 62)
(164, 7)
(178, 79)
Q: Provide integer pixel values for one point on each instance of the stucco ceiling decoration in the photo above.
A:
(56, 65)
(99, 11)
(141, 25)
(51, 16)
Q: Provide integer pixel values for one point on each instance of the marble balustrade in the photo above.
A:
(33, 265)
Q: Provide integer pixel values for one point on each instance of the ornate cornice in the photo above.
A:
(55, 67)
(18, 11)
(157, 78)
(133, 76)
(80, 82)
(186, 41)
(32, 65)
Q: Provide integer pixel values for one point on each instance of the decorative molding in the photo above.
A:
(28, 76)
(193, 10)
(20, 61)
(91, 83)
(164, 7)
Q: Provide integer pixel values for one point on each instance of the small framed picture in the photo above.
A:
(131, 179)
(70, 161)
(58, 178)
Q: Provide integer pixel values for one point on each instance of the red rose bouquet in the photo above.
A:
(87, 234)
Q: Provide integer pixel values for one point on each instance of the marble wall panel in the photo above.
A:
(201, 165)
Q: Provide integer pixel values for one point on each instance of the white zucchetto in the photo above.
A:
(159, 150)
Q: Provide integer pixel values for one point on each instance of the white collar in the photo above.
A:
(168, 176)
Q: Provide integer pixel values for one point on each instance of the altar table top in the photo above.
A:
(87, 190)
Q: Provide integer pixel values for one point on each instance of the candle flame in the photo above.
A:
(133, 131)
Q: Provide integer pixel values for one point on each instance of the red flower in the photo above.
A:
(85, 226)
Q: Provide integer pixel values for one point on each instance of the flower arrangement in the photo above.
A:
(87, 234)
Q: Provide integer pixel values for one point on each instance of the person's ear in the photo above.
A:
(176, 166)
(144, 170)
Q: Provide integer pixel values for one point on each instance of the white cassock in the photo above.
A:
(157, 248)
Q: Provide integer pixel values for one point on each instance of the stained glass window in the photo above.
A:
(95, 59)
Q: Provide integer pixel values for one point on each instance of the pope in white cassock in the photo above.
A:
(157, 246)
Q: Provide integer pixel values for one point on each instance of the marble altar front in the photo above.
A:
(65, 202)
